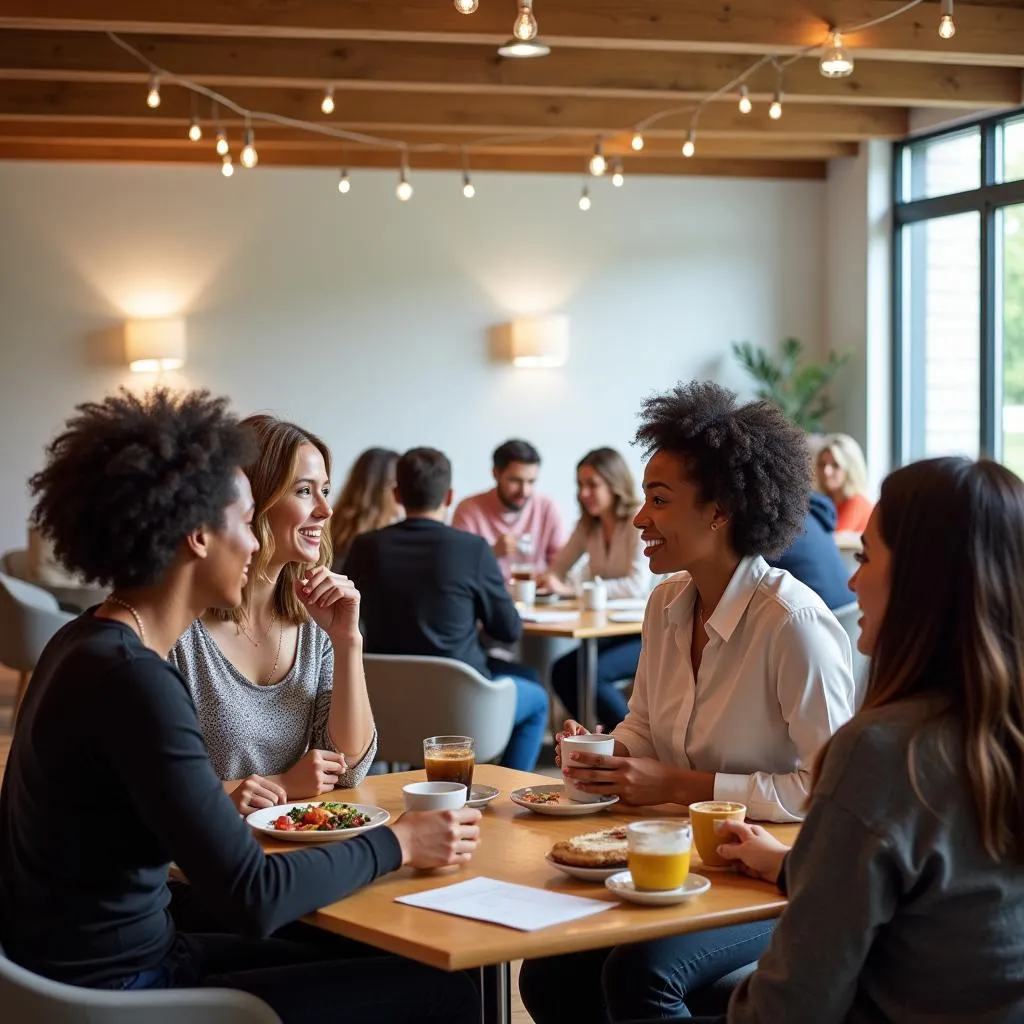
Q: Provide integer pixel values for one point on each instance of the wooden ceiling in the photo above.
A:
(419, 72)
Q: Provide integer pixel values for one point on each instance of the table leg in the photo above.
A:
(586, 683)
(496, 994)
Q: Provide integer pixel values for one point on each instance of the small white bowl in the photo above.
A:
(434, 796)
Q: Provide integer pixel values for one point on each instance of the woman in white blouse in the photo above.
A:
(606, 537)
(743, 676)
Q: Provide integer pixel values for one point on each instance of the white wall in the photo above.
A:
(365, 319)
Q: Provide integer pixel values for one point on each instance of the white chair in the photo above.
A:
(849, 619)
(416, 697)
(28, 999)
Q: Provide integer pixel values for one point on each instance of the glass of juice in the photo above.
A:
(658, 854)
(449, 759)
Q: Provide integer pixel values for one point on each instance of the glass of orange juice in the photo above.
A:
(658, 854)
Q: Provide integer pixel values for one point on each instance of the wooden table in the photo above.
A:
(513, 844)
(588, 628)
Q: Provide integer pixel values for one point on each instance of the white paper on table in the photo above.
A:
(623, 604)
(514, 906)
(543, 615)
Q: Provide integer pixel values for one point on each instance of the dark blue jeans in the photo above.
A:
(527, 737)
(646, 981)
(616, 659)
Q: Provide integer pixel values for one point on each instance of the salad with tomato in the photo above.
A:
(325, 817)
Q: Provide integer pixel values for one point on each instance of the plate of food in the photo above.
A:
(591, 857)
(480, 796)
(554, 801)
(317, 822)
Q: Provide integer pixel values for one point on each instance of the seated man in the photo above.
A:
(425, 586)
(813, 557)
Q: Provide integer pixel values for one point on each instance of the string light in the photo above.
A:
(222, 142)
(250, 158)
(153, 96)
(947, 27)
(467, 6)
(195, 131)
(327, 103)
(585, 199)
(468, 189)
(344, 185)
(745, 105)
(637, 142)
(618, 178)
(775, 110)
(835, 61)
(403, 190)
(598, 165)
(690, 145)
(525, 26)
(227, 168)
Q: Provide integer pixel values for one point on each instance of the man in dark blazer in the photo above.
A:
(426, 588)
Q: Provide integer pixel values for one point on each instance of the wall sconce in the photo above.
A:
(532, 341)
(154, 345)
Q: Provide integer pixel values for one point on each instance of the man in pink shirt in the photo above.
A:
(511, 508)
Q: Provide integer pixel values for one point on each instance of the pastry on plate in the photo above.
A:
(603, 849)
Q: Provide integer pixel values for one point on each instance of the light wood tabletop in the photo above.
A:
(583, 626)
(514, 842)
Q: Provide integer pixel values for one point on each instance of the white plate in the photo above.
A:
(636, 616)
(565, 808)
(627, 604)
(480, 796)
(621, 884)
(584, 874)
(260, 821)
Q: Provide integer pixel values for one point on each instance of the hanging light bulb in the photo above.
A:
(467, 6)
(637, 142)
(690, 145)
(745, 105)
(327, 103)
(585, 199)
(250, 158)
(598, 165)
(775, 110)
(618, 178)
(195, 131)
(835, 61)
(222, 142)
(468, 189)
(947, 27)
(404, 189)
(525, 27)
(153, 96)
(227, 168)
(343, 183)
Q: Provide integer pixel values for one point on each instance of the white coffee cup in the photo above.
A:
(588, 743)
(434, 796)
(526, 591)
(594, 596)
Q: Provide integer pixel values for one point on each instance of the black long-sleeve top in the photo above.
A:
(107, 782)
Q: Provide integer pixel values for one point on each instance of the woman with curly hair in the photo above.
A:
(278, 682)
(367, 501)
(744, 674)
(147, 496)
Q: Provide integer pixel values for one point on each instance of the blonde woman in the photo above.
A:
(278, 682)
(843, 475)
(367, 500)
(605, 534)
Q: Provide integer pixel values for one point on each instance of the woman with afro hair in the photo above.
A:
(744, 675)
(147, 496)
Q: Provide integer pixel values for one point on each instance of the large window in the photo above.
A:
(959, 293)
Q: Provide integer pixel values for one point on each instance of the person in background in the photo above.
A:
(425, 586)
(367, 501)
(278, 682)
(83, 882)
(606, 537)
(842, 475)
(744, 674)
(813, 557)
(512, 509)
(906, 882)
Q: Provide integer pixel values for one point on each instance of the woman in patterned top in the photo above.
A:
(278, 683)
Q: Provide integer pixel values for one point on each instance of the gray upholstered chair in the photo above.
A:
(29, 616)
(414, 697)
(26, 997)
(849, 619)
(17, 563)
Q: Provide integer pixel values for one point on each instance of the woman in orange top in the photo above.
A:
(842, 475)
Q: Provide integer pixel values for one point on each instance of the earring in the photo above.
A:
(714, 526)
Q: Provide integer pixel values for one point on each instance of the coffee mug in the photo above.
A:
(434, 796)
(588, 743)
(705, 817)
(525, 591)
(594, 596)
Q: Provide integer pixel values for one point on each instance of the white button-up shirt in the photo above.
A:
(775, 682)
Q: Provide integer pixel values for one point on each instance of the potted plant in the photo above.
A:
(797, 387)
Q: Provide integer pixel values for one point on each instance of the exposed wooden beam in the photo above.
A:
(402, 66)
(541, 163)
(471, 114)
(989, 34)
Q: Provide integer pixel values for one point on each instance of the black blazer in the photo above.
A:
(425, 587)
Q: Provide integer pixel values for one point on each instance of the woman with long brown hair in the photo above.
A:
(278, 682)
(367, 500)
(906, 884)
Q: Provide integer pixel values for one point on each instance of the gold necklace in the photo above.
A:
(135, 615)
(277, 657)
(248, 636)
